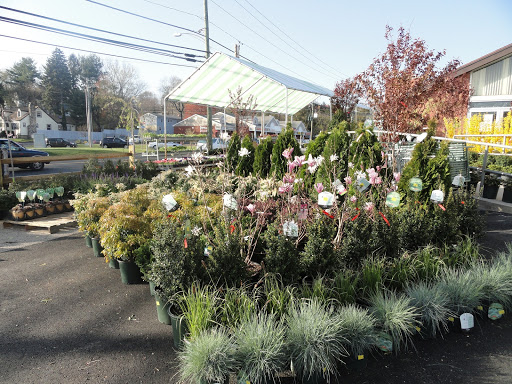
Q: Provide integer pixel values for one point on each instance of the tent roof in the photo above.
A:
(210, 83)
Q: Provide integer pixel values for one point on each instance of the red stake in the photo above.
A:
(328, 214)
(185, 242)
(385, 219)
(441, 206)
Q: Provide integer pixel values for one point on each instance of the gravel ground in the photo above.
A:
(65, 317)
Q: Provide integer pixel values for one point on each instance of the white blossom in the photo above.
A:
(334, 157)
(243, 152)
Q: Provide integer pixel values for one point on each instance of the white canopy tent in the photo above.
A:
(273, 91)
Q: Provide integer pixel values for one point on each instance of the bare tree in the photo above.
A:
(241, 108)
(121, 80)
(167, 84)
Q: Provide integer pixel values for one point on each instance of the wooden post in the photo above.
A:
(484, 166)
(131, 148)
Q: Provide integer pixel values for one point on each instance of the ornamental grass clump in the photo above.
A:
(238, 306)
(314, 340)
(465, 290)
(358, 331)
(209, 358)
(260, 350)
(396, 316)
(432, 304)
(496, 279)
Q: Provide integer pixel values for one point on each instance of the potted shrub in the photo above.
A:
(209, 358)
(507, 191)
(261, 350)
(358, 333)
(90, 220)
(314, 341)
(491, 185)
(7, 201)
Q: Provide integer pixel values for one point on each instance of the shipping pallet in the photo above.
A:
(51, 223)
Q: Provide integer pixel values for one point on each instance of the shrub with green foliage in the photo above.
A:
(262, 157)
(232, 154)
(338, 144)
(285, 140)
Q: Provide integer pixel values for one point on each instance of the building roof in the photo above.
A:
(485, 60)
(221, 74)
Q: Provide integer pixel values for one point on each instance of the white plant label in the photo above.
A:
(467, 321)
(459, 181)
(169, 202)
(362, 185)
(437, 196)
(325, 199)
(229, 202)
(291, 229)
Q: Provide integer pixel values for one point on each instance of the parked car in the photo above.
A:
(113, 142)
(58, 142)
(136, 140)
(19, 150)
(217, 144)
(161, 144)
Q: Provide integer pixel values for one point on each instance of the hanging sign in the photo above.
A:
(393, 199)
(169, 202)
(362, 184)
(59, 191)
(437, 196)
(415, 184)
(467, 321)
(291, 229)
(325, 200)
(31, 194)
(495, 311)
(229, 202)
(459, 181)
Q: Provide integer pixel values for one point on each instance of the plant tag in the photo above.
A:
(20, 195)
(40, 193)
(451, 319)
(325, 200)
(437, 196)
(46, 197)
(384, 342)
(418, 329)
(362, 184)
(208, 250)
(495, 311)
(229, 202)
(467, 321)
(480, 308)
(415, 184)
(188, 229)
(157, 303)
(360, 357)
(291, 229)
(169, 202)
(393, 200)
(59, 191)
(51, 192)
(31, 194)
(303, 213)
(459, 181)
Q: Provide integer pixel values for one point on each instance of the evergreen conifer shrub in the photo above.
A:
(285, 140)
(262, 157)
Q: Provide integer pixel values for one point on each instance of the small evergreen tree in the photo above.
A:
(285, 140)
(232, 155)
(337, 144)
(262, 157)
(245, 163)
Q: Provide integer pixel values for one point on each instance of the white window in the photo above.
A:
(48, 127)
(204, 129)
(19, 113)
(39, 114)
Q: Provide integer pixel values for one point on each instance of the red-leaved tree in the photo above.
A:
(406, 89)
(346, 96)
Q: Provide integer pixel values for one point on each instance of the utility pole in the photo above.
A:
(208, 109)
(88, 112)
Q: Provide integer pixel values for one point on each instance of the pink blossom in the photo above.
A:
(287, 153)
(319, 187)
(378, 180)
(288, 179)
(251, 208)
(348, 180)
(396, 175)
(285, 188)
(353, 199)
(299, 160)
(378, 168)
(291, 166)
(368, 206)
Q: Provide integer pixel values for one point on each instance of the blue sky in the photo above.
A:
(322, 42)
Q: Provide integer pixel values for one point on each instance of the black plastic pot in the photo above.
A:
(130, 272)
(490, 191)
(88, 242)
(113, 263)
(507, 195)
(96, 246)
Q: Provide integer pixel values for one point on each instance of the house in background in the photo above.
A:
(490, 77)
(154, 123)
(198, 124)
(299, 128)
(17, 122)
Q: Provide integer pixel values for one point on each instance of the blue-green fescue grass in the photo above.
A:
(261, 348)
(358, 329)
(465, 290)
(209, 358)
(278, 296)
(314, 340)
(496, 279)
(396, 316)
(433, 306)
(199, 306)
(238, 306)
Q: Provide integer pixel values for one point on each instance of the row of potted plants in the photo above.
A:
(41, 202)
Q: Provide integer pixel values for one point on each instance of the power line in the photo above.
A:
(98, 53)
(268, 41)
(99, 30)
(156, 51)
(289, 37)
